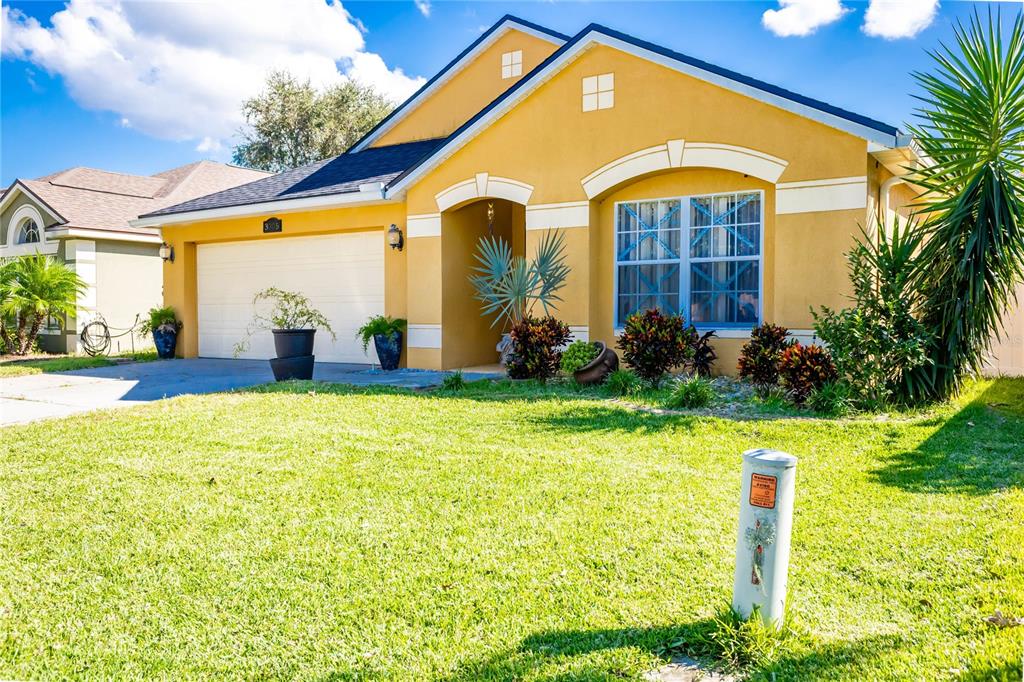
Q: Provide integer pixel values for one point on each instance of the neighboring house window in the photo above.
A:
(599, 92)
(697, 255)
(28, 232)
(512, 64)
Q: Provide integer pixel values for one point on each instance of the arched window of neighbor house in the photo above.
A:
(28, 232)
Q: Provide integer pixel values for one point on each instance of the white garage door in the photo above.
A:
(342, 274)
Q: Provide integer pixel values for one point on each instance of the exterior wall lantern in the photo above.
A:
(395, 238)
(167, 252)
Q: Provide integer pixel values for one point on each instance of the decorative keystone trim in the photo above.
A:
(424, 335)
(428, 225)
(832, 194)
(569, 214)
(481, 186)
(681, 154)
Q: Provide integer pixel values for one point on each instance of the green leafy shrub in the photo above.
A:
(653, 343)
(454, 382)
(831, 399)
(622, 382)
(704, 354)
(535, 348)
(33, 288)
(692, 392)
(759, 358)
(879, 343)
(289, 310)
(578, 354)
(163, 319)
(804, 369)
(379, 324)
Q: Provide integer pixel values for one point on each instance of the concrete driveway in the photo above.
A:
(42, 396)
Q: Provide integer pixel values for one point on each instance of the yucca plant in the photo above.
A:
(509, 287)
(35, 287)
(972, 137)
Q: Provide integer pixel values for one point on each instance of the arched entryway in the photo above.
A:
(468, 338)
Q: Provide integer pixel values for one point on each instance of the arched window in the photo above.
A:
(28, 232)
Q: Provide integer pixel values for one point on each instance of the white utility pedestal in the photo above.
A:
(766, 521)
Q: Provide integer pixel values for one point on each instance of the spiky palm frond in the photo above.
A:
(972, 133)
(39, 285)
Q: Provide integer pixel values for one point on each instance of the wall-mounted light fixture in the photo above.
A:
(167, 252)
(395, 238)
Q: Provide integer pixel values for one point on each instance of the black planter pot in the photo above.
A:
(165, 342)
(294, 349)
(300, 367)
(599, 368)
(389, 349)
(290, 343)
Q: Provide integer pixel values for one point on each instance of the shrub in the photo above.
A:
(704, 354)
(535, 348)
(32, 288)
(653, 343)
(289, 310)
(691, 392)
(804, 369)
(454, 382)
(163, 319)
(831, 399)
(379, 325)
(759, 359)
(879, 344)
(622, 382)
(578, 354)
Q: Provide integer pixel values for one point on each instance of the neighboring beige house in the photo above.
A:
(81, 215)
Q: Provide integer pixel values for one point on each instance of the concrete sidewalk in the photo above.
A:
(43, 396)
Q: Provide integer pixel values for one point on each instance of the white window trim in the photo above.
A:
(685, 261)
(13, 248)
(511, 64)
(600, 89)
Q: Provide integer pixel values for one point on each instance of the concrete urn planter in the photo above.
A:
(606, 362)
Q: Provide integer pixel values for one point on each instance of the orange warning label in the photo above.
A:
(762, 491)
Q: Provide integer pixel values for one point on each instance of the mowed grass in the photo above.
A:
(13, 366)
(310, 532)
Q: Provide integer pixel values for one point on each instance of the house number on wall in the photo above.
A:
(272, 225)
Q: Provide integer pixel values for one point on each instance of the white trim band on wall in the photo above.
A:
(427, 225)
(682, 154)
(483, 185)
(580, 333)
(811, 196)
(424, 335)
(569, 214)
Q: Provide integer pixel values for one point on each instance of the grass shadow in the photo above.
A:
(979, 450)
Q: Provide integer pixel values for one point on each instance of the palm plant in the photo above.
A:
(972, 210)
(36, 287)
(509, 287)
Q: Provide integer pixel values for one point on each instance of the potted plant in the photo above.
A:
(163, 324)
(293, 322)
(386, 333)
(589, 362)
(510, 286)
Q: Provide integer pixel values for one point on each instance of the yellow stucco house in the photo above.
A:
(675, 182)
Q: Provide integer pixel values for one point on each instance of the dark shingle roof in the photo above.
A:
(337, 175)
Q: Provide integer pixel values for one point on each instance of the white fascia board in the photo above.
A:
(595, 38)
(411, 104)
(345, 200)
(102, 235)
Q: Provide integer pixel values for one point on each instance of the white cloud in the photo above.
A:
(181, 70)
(892, 19)
(802, 17)
(423, 6)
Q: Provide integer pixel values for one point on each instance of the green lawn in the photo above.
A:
(13, 366)
(311, 532)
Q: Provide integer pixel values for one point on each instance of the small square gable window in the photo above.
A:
(512, 64)
(599, 92)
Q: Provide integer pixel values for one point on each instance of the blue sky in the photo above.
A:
(67, 107)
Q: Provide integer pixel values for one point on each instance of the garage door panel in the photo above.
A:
(342, 275)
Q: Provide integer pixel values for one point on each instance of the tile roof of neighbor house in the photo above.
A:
(391, 164)
(338, 175)
(102, 200)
